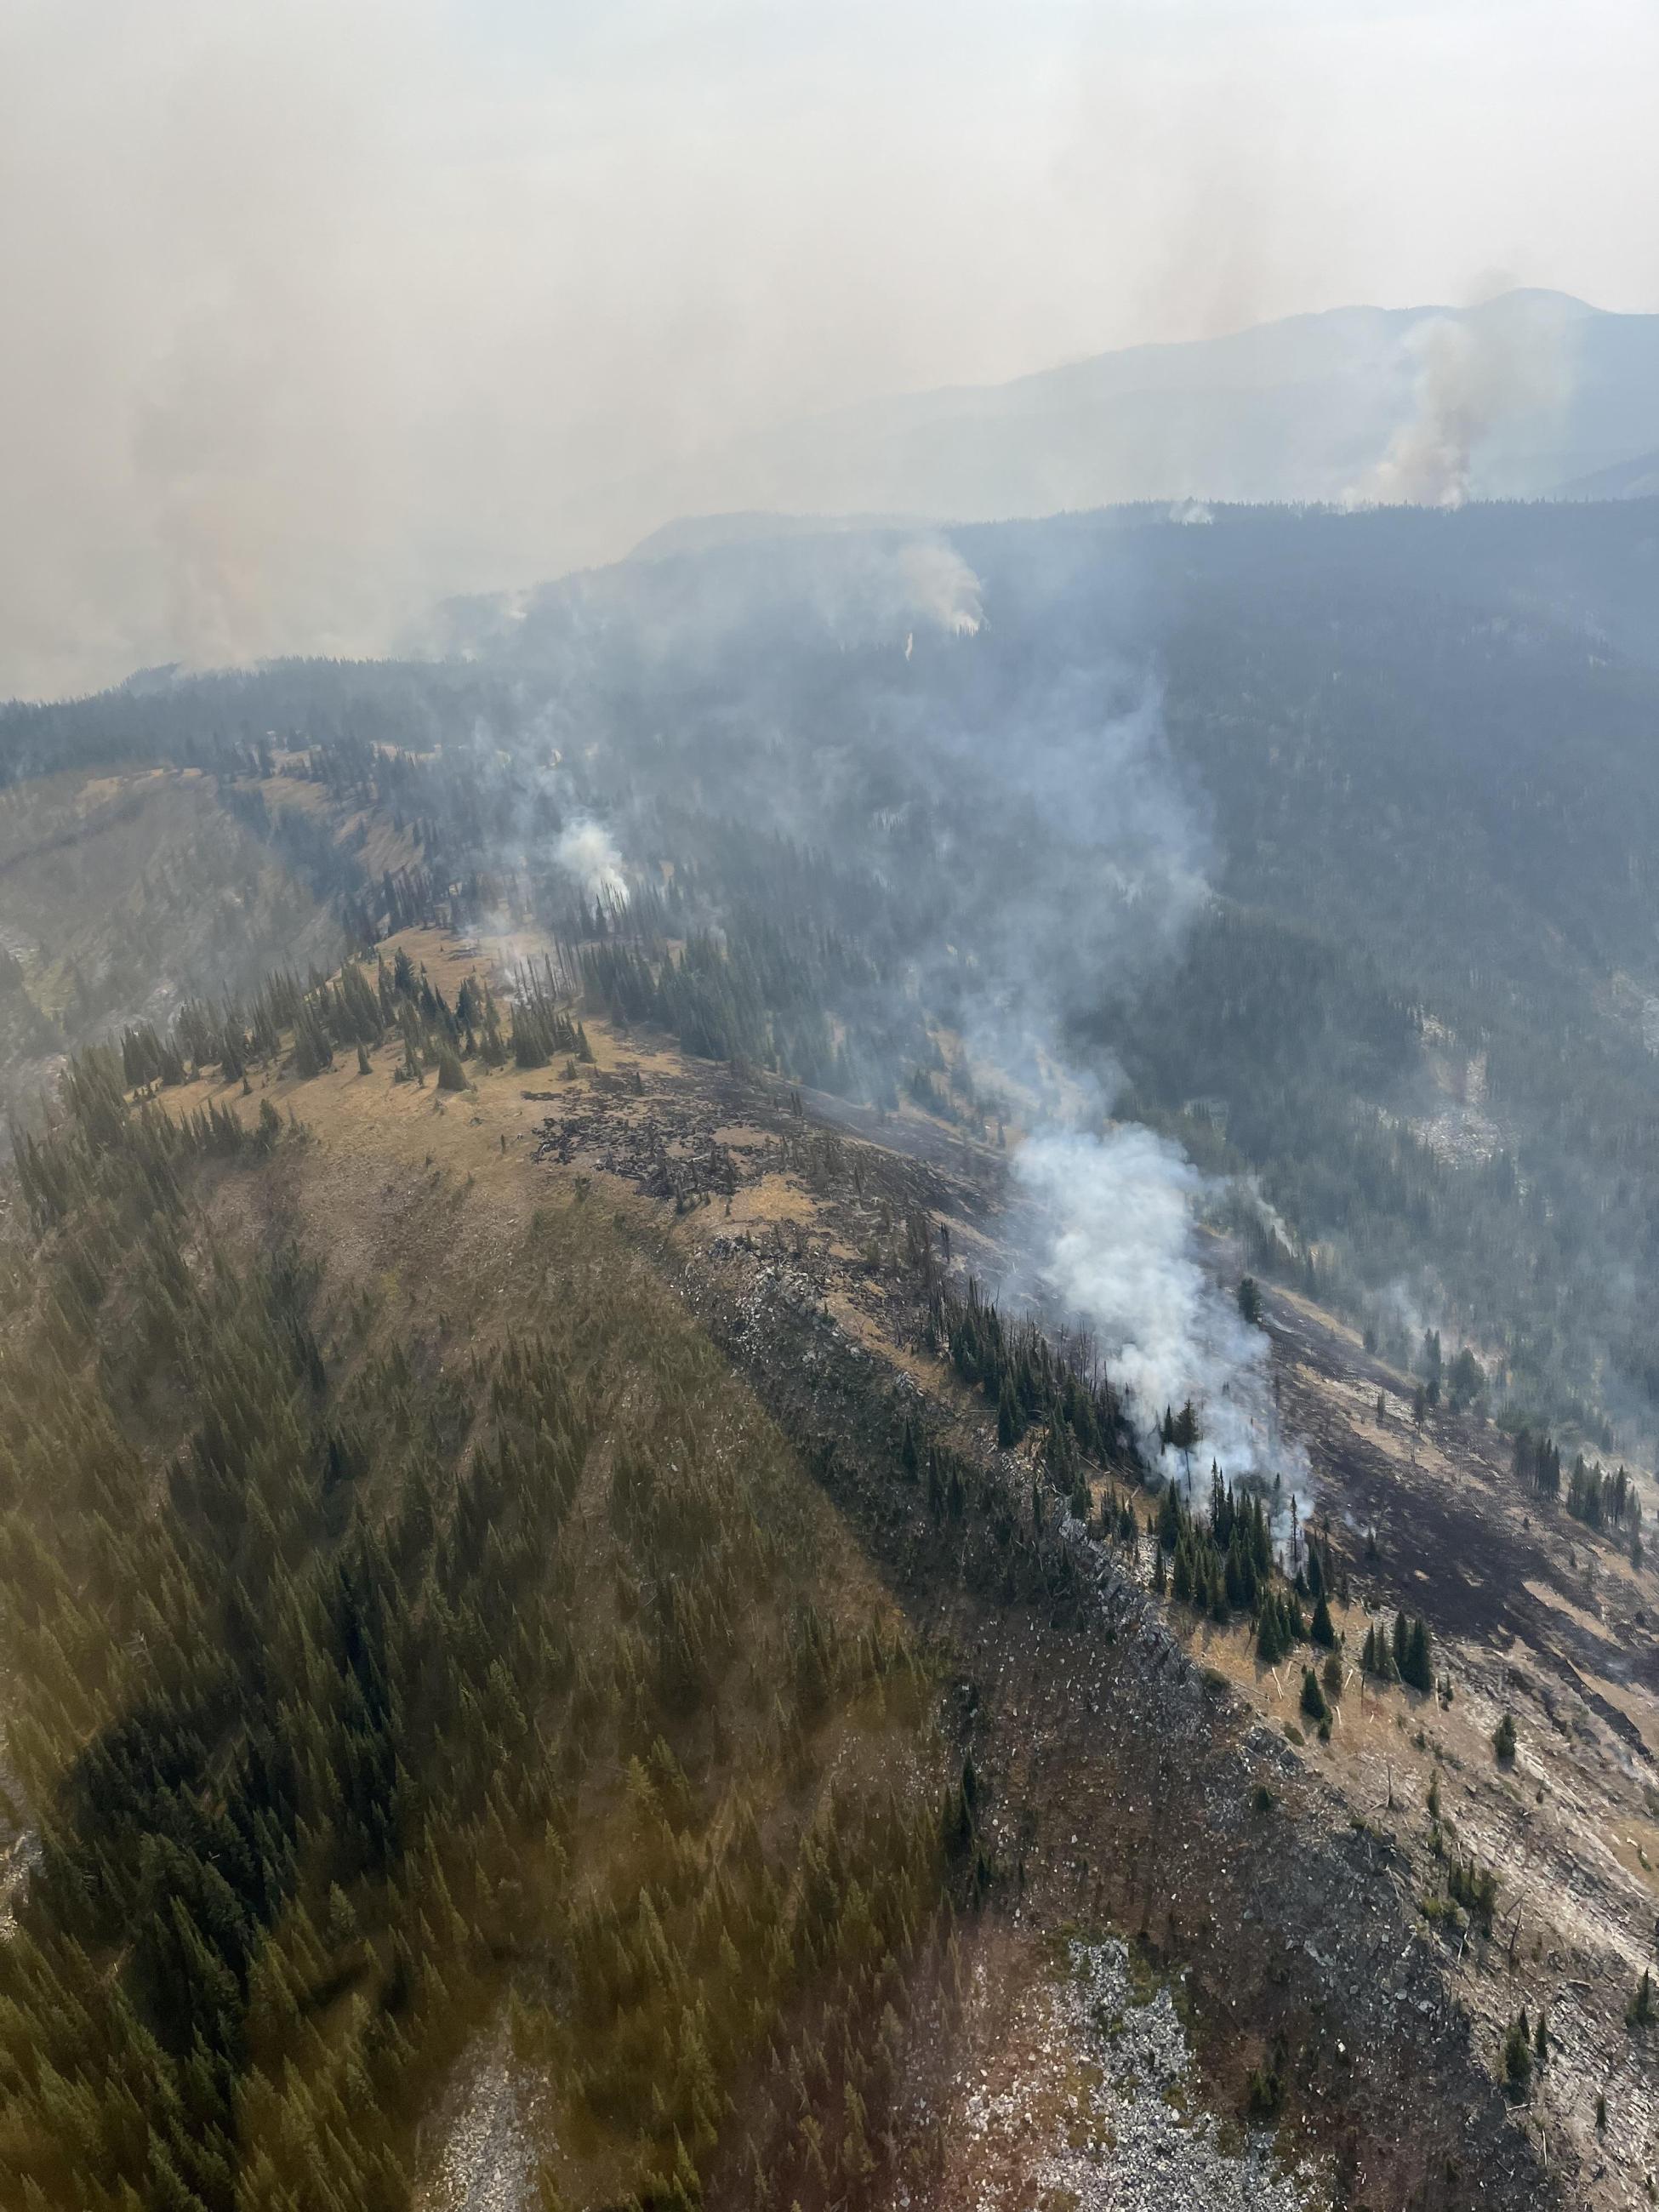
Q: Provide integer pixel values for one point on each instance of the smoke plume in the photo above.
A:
(1084, 870)
(586, 850)
(942, 587)
(995, 756)
(1474, 372)
(1123, 1255)
(1104, 871)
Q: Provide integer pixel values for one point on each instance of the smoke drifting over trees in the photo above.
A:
(1000, 767)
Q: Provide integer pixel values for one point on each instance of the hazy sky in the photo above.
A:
(315, 309)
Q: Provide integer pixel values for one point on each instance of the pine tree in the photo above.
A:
(1185, 1432)
(1418, 1667)
(910, 1451)
(492, 1049)
(1181, 1580)
(1010, 1422)
(1518, 2056)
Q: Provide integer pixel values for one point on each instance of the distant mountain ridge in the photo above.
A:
(1637, 478)
(1528, 392)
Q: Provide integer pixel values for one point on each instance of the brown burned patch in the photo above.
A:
(1535, 1618)
(1639, 1706)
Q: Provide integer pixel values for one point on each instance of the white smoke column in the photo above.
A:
(1123, 1256)
(586, 850)
(1268, 1214)
(940, 586)
(1473, 372)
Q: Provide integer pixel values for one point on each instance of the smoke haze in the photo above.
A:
(316, 314)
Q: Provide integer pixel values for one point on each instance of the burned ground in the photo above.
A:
(1093, 1712)
(1123, 1790)
(1124, 1786)
(1141, 1770)
(1455, 1536)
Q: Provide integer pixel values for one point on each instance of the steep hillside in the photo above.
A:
(123, 895)
(649, 1558)
(474, 1660)
(1324, 1885)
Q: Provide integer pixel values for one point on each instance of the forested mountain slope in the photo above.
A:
(1379, 792)
(482, 1694)
(467, 1630)
(1411, 757)
(386, 1339)
(123, 893)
